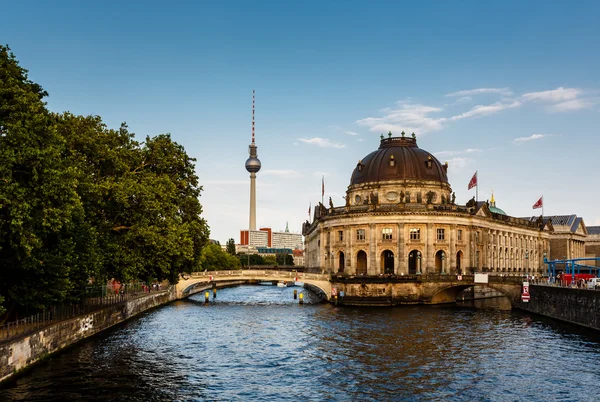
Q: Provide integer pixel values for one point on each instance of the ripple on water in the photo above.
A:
(257, 343)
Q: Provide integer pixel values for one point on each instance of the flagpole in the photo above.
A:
(542, 206)
(322, 190)
(477, 186)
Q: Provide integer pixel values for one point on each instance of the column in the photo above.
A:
(400, 265)
(372, 258)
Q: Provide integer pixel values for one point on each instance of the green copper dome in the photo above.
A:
(493, 207)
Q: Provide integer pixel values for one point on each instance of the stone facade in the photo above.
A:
(401, 218)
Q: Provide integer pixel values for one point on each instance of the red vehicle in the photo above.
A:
(566, 278)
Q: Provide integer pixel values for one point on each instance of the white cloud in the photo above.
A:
(360, 139)
(442, 154)
(575, 104)
(485, 110)
(350, 133)
(407, 117)
(530, 138)
(458, 163)
(287, 173)
(321, 174)
(559, 94)
(479, 91)
(321, 142)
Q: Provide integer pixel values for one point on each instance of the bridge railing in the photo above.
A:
(253, 273)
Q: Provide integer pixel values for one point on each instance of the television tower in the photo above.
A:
(252, 166)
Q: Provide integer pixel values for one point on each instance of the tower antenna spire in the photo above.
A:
(253, 116)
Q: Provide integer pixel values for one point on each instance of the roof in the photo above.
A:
(572, 222)
(593, 230)
(399, 158)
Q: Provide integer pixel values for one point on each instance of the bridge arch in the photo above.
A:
(448, 293)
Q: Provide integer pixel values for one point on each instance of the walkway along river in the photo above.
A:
(256, 343)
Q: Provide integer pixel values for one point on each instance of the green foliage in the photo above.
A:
(254, 259)
(231, 246)
(270, 260)
(215, 259)
(81, 201)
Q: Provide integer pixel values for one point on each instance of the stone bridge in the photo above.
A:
(420, 289)
(360, 290)
(200, 281)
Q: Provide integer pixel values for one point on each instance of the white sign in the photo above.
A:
(481, 278)
(525, 294)
(459, 277)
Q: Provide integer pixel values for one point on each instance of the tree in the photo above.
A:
(141, 198)
(231, 247)
(215, 259)
(43, 232)
(285, 259)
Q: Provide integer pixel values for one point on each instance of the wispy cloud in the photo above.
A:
(575, 104)
(559, 94)
(321, 142)
(485, 110)
(480, 91)
(320, 174)
(442, 154)
(531, 137)
(287, 173)
(406, 117)
(350, 133)
(360, 139)
(458, 163)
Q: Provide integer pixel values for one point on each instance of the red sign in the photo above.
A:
(210, 278)
(525, 293)
(334, 291)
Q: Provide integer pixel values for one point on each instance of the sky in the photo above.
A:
(509, 89)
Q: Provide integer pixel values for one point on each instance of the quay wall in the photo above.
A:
(576, 306)
(20, 353)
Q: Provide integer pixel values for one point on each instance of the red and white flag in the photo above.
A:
(309, 210)
(539, 203)
(473, 181)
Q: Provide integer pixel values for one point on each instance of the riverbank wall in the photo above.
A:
(21, 353)
(576, 306)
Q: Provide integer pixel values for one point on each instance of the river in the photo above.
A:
(255, 343)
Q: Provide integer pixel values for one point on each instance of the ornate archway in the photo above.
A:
(361, 263)
(341, 262)
(387, 262)
(440, 256)
(414, 262)
(459, 256)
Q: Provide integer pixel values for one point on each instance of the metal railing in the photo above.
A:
(253, 273)
(96, 298)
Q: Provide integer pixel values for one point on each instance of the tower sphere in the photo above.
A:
(253, 165)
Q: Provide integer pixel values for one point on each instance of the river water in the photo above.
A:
(255, 343)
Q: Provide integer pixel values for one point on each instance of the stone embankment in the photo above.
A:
(576, 306)
(19, 354)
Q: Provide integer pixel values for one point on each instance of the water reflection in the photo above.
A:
(258, 343)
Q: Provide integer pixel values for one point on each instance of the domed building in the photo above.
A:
(401, 218)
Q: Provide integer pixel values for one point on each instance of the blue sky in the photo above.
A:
(509, 89)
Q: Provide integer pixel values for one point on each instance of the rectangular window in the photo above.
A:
(360, 234)
(459, 234)
(386, 233)
(341, 235)
(415, 234)
(441, 234)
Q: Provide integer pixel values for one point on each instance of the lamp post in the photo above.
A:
(527, 263)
